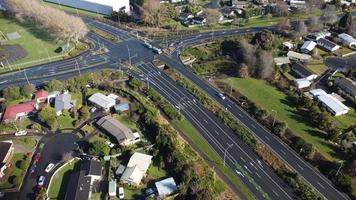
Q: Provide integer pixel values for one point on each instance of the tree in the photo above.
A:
(16, 180)
(352, 28)
(56, 23)
(265, 64)
(314, 24)
(27, 90)
(11, 93)
(154, 13)
(334, 134)
(285, 68)
(281, 9)
(22, 165)
(42, 194)
(280, 128)
(52, 123)
(345, 21)
(67, 156)
(301, 28)
(344, 182)
(84, 112)
(212, 16)
(284, 25)
(99, 147)
(54, 85)
(46, 113)
(193, 9)
(121, 16)
(264, 39)
(243, 71)
(329, 15)
(36, 126)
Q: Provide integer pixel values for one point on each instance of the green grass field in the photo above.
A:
(188, 130)
(29, 143)
(34, 41)
(60, 180)
(127, 121)
(14, 171)
(270, 98)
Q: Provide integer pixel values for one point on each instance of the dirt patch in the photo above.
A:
(228, 194)
(11, 53)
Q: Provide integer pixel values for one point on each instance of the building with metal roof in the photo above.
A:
(166, 187)
(102, 101)
(347, 85)
(136, 168)
(63, 102)
(327, 45)
(328, 101)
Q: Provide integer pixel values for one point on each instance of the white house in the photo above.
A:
(63, 102)
(347, 39)
(307, 47)
(105, 7)
(281, 60)
(136, 168)
(298, 56)
(102, 101)
(302, 83)
(332, 104)
(166, 187)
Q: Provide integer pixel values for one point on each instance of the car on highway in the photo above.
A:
(222, 96)
(157, 50)
(150, 193)
(49, 167)
(37, 157)
(121, 193)
(41, 180)
(148, 45)
(21, 133)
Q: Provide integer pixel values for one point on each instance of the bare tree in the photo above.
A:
(243, 71)
(329, 15)
(67, 156)
(265, 64)
(314, 24)
(284, 25)
(281, 9)
(212, 16)
(54, 22)
(301, 28)
(154, 13)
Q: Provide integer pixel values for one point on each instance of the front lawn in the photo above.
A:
(127, 121)
(60, 181)
(65, 122)
(157, 173)
(19, 165)
(269, 98)
(35, 42)
(29, 143)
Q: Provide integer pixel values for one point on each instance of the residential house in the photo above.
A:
(281, 60)
(52, 96)
(298, 56)
(6, 150)
(185, 17)
(136, 169)
(81, 182)
(288, 45)
(112, 188)
(105, 7)
(122, 107)
(307, 47)
(166, 187)
(198, 20)
(318, 35)
(347, 85)
(327, 45)
(302, 83)
(261, 2)
(297, 4)
(302, 72)
(332, 104)
(228, 12)
(63, 102)
(102, 101)
(41, 96)
(347, 40)
(239, 4)
(19, 111)
(123, 135)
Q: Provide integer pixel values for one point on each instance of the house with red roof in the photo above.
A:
(19, 111)
(41, 96)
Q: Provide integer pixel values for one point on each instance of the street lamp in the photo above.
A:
(337, 173)
(274, 118)
(230, 145)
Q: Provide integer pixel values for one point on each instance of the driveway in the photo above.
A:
(51, 153)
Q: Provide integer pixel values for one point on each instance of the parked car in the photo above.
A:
(149, 192)
(21, 133)
(110, 144)
(121, 193)
(37, 157)
(49, 167)
(32, 168)
(41, 180)
(93, 109)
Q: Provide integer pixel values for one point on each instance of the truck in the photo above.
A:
(157, 50)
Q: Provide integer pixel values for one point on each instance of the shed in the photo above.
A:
(112, 188)
(166, 187)
(281, 60)
(298, 56)
(120, 170)
(307, 47)
(347, 39)
(327, 45)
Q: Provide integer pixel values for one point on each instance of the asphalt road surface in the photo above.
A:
(215, 132)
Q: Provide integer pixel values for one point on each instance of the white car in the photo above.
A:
(49, 167)
(110, 144)
(93, 109)
(222, 96)
(41, 180)
(121, 193)
(21, 133)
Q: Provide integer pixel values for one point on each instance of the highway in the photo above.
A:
(255, 174)
(262, 182)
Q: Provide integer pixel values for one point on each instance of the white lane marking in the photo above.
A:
(253, 126)
(275, 193)
(300, 167)
(258, 175)
(321, 185)
(217, 132)
(267, 137)
(242, 159)
(283, 152)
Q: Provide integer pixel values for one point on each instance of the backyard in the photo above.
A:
(15, 173)
(270, 98)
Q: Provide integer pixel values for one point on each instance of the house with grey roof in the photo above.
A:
(123, 135)
(63, 102)
(302, 72)
(347, 85)
(102, 101)
(327, 45)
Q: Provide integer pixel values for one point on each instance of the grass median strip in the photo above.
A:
(188, 130)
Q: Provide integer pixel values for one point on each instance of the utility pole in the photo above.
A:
(24, 71)
(337, 173)
(274, 118)
(230, 145)
(76, 63)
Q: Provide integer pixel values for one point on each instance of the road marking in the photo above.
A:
(253, 126)
(275, 193)
(205, 121)
(242, 159)
(258, 175)
(240, 115)
(216, 132)
(267, 138)
(229, 105)
(283, 152)
(300, 167)
(321, 185)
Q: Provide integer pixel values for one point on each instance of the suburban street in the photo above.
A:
(257, 176)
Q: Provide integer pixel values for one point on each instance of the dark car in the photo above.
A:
(149, 192)
(32, 168)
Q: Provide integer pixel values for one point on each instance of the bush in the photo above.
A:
(36, 126)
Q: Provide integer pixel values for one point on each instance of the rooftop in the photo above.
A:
(166, 187)
(115, 128)
(5, 146)
(102, 100)
(12, 111)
